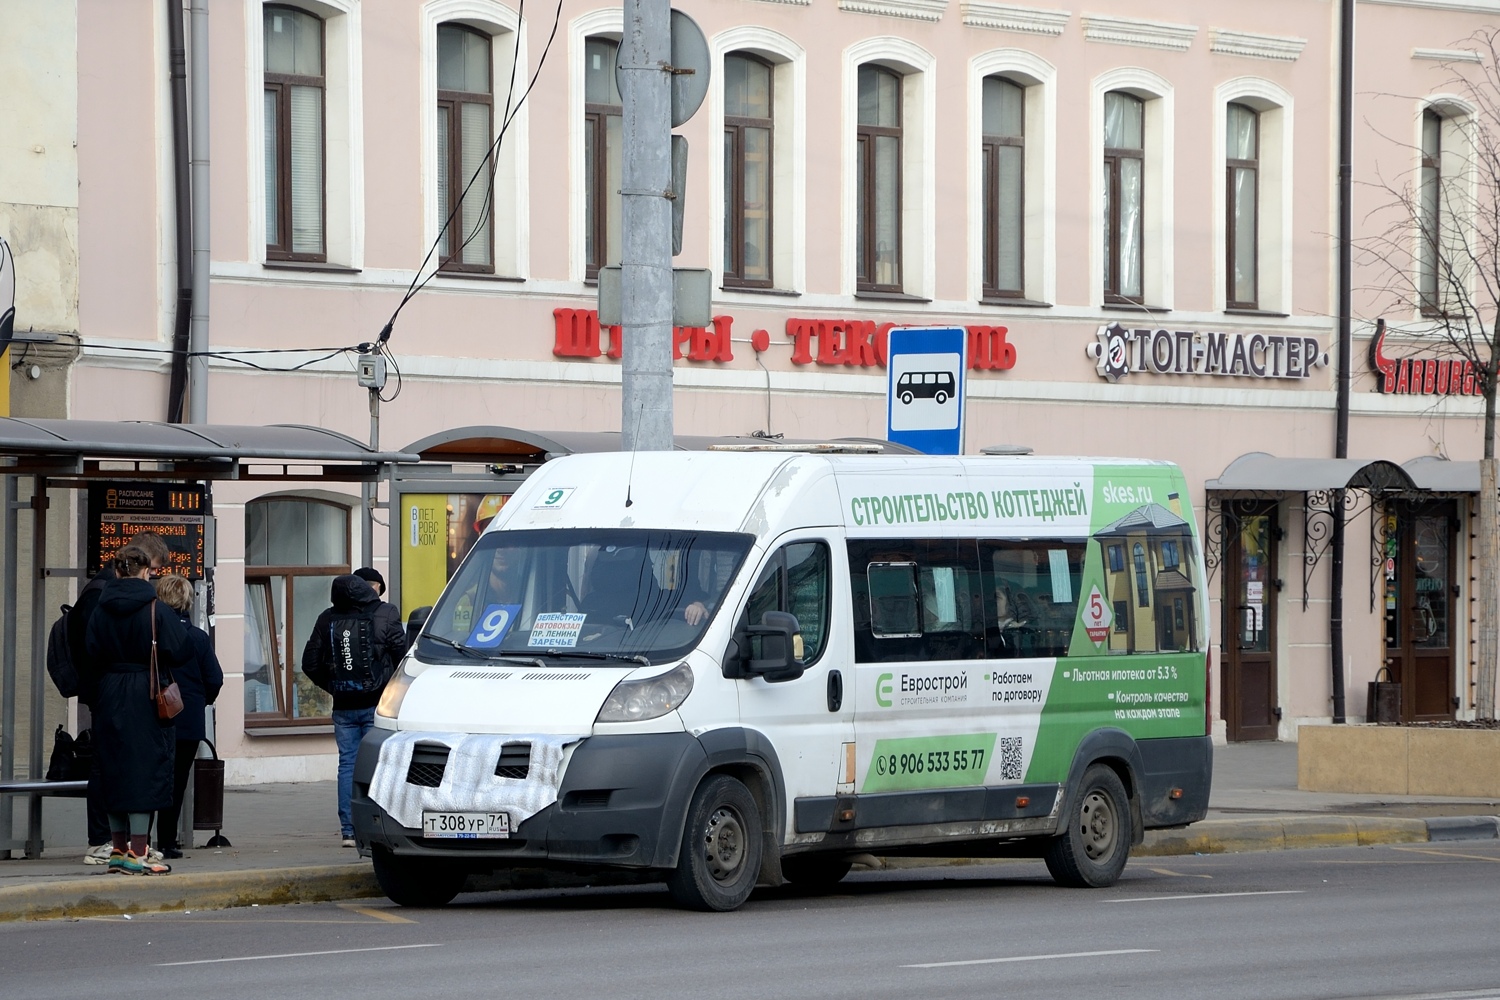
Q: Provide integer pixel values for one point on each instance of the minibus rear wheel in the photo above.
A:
(1093, 847)
(721, 847)
(416, 881)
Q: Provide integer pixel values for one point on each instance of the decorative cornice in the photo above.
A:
(1281, 48)
(794, 3)
(917, 10)
(1009, 17)
(1134, 31)
(1458, 6)
(1447, 55)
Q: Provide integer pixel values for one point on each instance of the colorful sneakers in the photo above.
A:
(116, 863)
(133, 865)
(97, 855)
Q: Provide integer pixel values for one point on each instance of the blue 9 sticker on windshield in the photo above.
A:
(493, 625)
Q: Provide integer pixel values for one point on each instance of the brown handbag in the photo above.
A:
(168, 699)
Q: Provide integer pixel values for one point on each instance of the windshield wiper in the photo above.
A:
(589, 654)
(469, 650)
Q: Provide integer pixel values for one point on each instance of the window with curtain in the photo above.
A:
(1004, 176)
(601, 154)
(294, 130)
(878, 181)
(1242, 206)
(465, 134)
(747, 171)
(294, 549)
(1429, 213)
(1124, 175)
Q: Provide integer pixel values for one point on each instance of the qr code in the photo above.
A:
(1010, 758)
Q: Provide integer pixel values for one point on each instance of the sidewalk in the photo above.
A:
(286, 844)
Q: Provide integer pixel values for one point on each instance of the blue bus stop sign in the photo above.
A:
(926, 370)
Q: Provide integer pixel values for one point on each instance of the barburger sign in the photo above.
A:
(1119, 351)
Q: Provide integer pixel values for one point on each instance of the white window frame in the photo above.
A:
(1158, 257)
(1459, 180)
(343, 129)
(1273, 234)
(918, 70)
(608, 22)
(1039, 77)
(511, 208)
(788, 152)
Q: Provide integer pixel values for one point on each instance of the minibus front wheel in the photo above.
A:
(1094, 845)
(721, 847)
(416, 881)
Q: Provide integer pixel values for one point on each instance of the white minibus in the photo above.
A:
(726, 669)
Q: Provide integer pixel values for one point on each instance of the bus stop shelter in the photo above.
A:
(56, 455)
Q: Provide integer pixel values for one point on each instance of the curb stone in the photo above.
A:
(1464, 828)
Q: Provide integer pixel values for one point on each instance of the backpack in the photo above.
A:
(72, 758)
(351, 648)
(60, 665)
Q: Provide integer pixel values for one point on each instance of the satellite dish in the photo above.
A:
(690, 58)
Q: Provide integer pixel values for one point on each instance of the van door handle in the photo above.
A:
(835, 690)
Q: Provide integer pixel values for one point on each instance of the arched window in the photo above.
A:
(1242, 205)
(878, 181)
(465, 132)
(748, 103)
(294, 548)
(1004, 179)
(602, 137)
(1124, 183)
(294, 134)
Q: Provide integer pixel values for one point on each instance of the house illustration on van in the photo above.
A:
(1148, 581)
(936, 386)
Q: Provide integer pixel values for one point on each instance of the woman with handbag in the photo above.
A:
(200, 678)
(135, 641)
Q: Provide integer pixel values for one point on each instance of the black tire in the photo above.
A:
(906, 397)
(815, 871)
(417, 881)
(721, 847)
(1092, 850)
(941, 397)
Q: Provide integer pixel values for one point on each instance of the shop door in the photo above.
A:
(1249, 674)
(1419, 598)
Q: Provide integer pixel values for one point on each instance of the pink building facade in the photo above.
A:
(1129, 207)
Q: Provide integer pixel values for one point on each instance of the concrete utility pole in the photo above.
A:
(646, 226)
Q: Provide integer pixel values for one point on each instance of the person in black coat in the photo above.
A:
(353, 710)
(88, 677)
(200, 680)
(134, 747)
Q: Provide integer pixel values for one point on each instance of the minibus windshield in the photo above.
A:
(636, 596)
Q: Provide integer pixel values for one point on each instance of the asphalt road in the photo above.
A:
(1418, 920)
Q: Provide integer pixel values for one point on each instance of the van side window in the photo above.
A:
(796, 580)
(916, 600)
(1035, 593)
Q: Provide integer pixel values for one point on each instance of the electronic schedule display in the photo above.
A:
(175, 511)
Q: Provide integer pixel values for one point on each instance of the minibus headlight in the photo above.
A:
(394, 693)
(648, 698)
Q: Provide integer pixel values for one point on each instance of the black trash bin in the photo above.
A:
(208, 796)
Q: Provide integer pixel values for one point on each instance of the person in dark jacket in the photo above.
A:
(78, 620)
(353, 710)
(135, 748)
(372, 576)
(200, 679)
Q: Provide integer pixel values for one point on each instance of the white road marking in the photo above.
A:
(1207, 895)
(1031, 958)
(297, 954)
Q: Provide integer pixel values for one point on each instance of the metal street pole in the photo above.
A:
(646, 226)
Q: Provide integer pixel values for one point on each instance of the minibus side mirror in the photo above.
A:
(414, 623)
(775, 647)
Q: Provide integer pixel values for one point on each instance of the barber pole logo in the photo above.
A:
(1097, 617)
